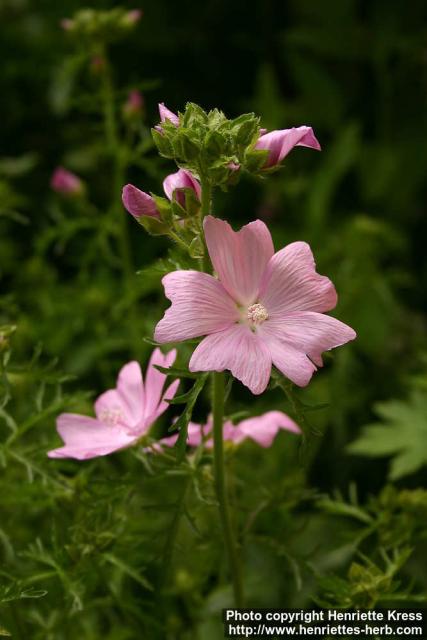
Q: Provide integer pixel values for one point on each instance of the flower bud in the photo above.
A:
(134, 105)
(66, 183)
(174, 184)
(279, 143)
(139, 203)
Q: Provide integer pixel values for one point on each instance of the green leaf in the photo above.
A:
(182, 423)
(402, 435)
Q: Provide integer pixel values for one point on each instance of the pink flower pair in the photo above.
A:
(126, 413)
(139, 203)
(262, 309)
(261, 429)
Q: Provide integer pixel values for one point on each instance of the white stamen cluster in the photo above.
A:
(257, 313)
(111, 417)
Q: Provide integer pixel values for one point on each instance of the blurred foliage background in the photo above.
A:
(341, 523)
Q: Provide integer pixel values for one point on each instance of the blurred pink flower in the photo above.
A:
(67, 24)
(279, 143)
(265, 308)
(134, 16)
(123, 414)
(134, 103)
(139, 203)
(261, 429)
(65, 182)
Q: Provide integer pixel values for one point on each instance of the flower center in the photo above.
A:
(257, 313)
(111, 417)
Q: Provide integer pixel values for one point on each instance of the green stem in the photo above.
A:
(205, 210)
(119, 170)
(172, 535)
(218, 389)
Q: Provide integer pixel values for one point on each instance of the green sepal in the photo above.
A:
(186, 145)
(215, 145)
(194, 116)
(245, 128)
(162, 143)
(153, 226)
(164, 208)
(255, 160)
(196, 248)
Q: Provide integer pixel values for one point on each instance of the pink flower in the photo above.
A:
(265, 308)
(261, 429)
(123, 414)
(139, 203)
(65, 182)
(134, 16)
(182, 179)
(134, 103)
(280, 143)
(167, 114)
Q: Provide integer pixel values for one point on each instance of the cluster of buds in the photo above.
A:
(210, 150)
(178, 212)
(101, 26)
(212, 146)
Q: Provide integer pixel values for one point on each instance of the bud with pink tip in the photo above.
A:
(176, 182)
(279, 143)
(66, 183)
(134, 104)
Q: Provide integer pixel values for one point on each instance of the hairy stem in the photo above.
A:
(218, 389)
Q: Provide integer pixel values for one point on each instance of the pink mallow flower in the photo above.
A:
(139, 203)
(279, 143)
(123, 414)
(264, 308)
(261, 429)
(66, 183)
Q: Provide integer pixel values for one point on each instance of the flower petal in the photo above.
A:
(279, 143)
(154, 382)
(111, 404)
(200, 305)
(240, 351)
(239, 258)
(182, 179)
(138, 203)
(292, 362)
(167, 114)
(311, 332)
(86, 438)
(131, 389)
(290, 283)
(263, 429)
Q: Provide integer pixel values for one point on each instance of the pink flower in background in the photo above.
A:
(139, 203)
(265, 308)
(134, 103)
(280, 143)
(261, 429)
(123, 414)
(66, 183)
(134, 16)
